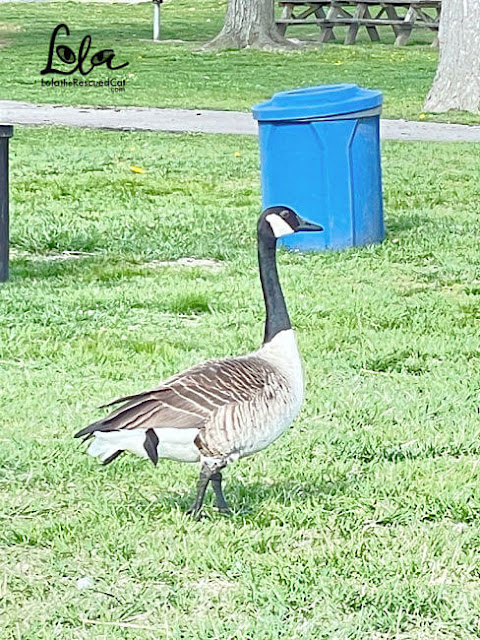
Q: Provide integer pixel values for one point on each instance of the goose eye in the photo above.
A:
(65, 54)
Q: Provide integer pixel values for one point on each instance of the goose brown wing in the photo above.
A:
(190, 398)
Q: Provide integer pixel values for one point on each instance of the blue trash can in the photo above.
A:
(320, 155)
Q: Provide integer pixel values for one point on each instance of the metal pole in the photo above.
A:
(156, 19)
(6, 132)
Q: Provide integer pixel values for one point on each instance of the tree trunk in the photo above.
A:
(457, 82)
(249, 23)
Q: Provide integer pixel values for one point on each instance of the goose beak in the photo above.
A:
(306, 225)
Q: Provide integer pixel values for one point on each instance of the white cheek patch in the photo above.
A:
(279, 226)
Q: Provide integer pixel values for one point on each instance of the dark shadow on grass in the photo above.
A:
(401, 223)
(87, 268)
(246, 500)
(43, 268)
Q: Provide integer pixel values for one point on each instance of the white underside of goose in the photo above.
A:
(175, 444)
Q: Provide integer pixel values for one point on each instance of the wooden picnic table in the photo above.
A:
(401, 15)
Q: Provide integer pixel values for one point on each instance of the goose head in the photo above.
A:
(281, 221)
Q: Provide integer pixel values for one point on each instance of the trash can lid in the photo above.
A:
(317, 102)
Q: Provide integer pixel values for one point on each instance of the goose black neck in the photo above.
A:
(277, 314)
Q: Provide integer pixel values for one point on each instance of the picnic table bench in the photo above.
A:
(328, 14)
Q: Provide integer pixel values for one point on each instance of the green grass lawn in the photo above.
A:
(180, 74)
(361, 523)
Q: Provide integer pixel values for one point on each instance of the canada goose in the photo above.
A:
(224, 409)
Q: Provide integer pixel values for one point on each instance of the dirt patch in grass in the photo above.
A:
(186, 262)
(5, 29)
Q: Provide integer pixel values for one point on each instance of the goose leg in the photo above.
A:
(222, 505)
(203, 480)
(209, 473)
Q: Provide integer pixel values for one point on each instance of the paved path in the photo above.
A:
(205, 121)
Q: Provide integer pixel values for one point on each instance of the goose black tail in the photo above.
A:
(87, 432)
(113, 457)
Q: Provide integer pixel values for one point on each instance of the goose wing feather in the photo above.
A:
(191, 398)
